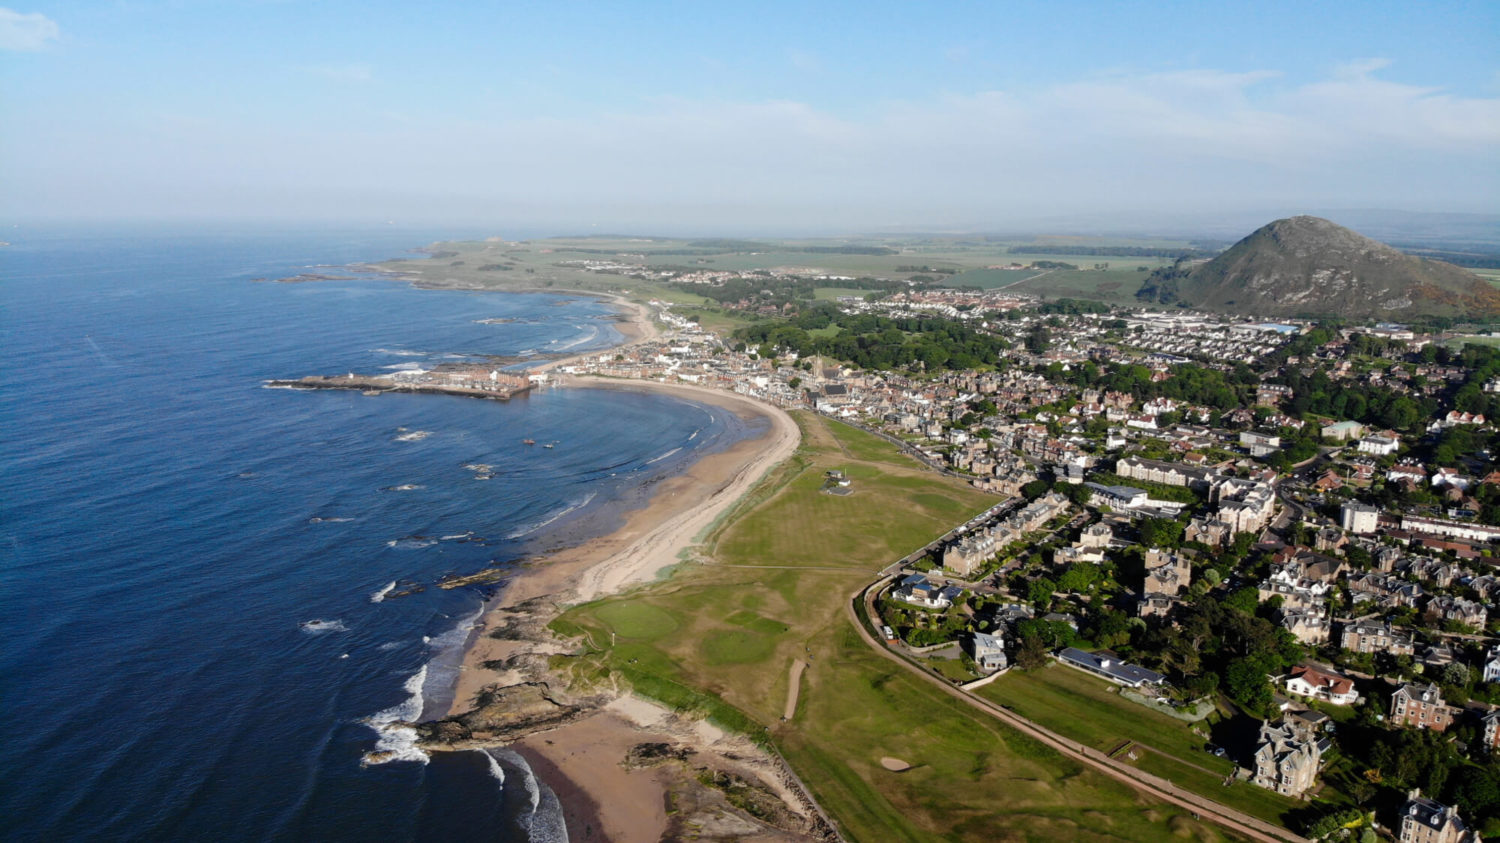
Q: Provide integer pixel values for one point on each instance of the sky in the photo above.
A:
(772, 117)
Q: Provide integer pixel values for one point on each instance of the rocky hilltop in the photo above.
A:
(1307, 266)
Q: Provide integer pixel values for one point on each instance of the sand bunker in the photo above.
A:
(895, 765)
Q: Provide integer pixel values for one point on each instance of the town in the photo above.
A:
(1279, 535)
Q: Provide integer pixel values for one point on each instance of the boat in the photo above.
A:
(371, 392)
(550, 445)
(528, 441)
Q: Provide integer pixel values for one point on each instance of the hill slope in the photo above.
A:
(1309, 266)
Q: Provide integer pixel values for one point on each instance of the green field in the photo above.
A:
(1086, 709)
(534, 265)
(1116, 286)
(719, 637)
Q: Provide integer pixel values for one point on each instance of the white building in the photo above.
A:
(1359, 518)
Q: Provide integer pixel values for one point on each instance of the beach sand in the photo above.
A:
(582, 760)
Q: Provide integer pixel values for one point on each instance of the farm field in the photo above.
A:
(768, 586)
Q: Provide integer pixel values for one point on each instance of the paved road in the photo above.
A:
(1236, 821)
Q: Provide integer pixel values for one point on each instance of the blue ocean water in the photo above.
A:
(168, 527)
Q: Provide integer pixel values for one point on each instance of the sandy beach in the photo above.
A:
(581, 760)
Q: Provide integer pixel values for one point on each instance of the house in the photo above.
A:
(988, 652)
(1116, 497)
(1343, 431)
(1166, 573)
(1307, 681)
(1097, 535)
(1260, 444)
(1376, 637)
(1309, 627)
(1422, 707)
(1489, 725)
(1210, 531)
(1287, 758)
(1426, 821)
(1457, 610)
(1359, 518)
(1107, 665)
(967, 555)
(1377, 445)
(1156, 605)
(916, 589)
(1491, 671)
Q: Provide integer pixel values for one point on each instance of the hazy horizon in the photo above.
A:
(782, 120)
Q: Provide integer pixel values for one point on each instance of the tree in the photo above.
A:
(794, 383)
(1078, 577)
(1031, 653)
(1247, 685)
(1161, 532)
(1040, 591)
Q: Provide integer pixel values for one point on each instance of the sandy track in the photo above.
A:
(793, 689)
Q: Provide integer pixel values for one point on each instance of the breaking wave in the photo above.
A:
(662, 457)
(396, 742)
(379, 596)
(317, 626)
(532, 528)
(591, 334)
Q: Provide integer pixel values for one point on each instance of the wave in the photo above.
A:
(328, 519)
(379, 596)
(588, 336)
(411, 543)
(532, 528)
(318, 626)
(404, 367)
(413, 436)
(496, 770)
(400, 352)
(389, 646)
(695, 434)
(543, 820)
(662, 457)
(404, 487)
(396, 742)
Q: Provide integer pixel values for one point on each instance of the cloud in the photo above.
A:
(26, 31)
(1118, 143)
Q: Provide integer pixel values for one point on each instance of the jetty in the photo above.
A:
(465, 380)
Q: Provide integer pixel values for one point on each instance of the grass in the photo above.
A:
(1116, 286)
(720, 639)
(1085, 709)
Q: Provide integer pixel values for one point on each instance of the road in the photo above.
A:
(1236, 821)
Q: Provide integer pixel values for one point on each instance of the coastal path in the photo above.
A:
(1236, 821)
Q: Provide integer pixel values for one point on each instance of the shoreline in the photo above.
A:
(601, 797)
(585, 755)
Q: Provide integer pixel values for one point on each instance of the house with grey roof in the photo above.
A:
(1107, 665)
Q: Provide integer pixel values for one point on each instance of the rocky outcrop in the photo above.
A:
(1307, 266)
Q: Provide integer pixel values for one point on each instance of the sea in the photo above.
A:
(217, 598)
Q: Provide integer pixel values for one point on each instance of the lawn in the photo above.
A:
(720, 638)
(1084, 708)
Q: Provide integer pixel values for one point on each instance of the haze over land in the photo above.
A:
(776, 120)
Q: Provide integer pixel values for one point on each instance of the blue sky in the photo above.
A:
(776, 116)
